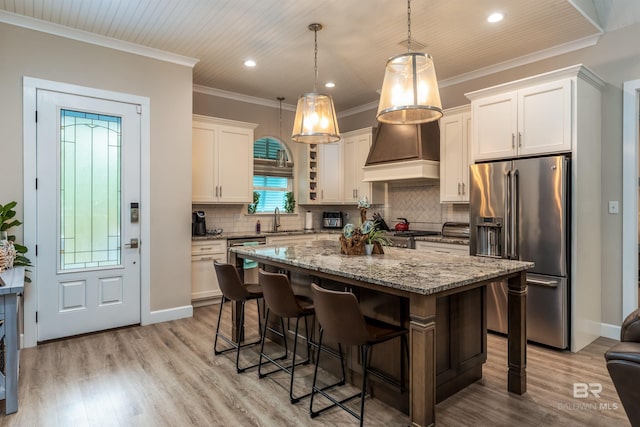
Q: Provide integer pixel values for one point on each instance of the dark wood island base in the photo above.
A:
(445, 315)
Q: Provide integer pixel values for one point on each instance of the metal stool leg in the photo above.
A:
(215, 341)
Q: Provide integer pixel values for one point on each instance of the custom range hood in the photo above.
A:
(404, 152)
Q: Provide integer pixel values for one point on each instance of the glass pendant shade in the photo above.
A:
(409, 90)
(315, 121)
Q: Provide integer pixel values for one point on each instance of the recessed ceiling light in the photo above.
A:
(250, 63)
(495, 17)
(330, 84)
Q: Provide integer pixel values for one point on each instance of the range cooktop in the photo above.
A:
(415, 233)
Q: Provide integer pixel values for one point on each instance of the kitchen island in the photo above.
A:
(422, 278)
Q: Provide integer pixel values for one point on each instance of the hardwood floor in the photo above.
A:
(166, 375)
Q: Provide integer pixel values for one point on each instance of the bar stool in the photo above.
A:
(341, 319)
(280, 299)
(235, 291)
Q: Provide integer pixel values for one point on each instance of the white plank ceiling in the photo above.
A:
(357, 38)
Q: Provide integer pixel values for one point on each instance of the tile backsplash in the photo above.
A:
(418, 202)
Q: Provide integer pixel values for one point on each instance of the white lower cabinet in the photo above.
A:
(446, 248)
(204, 282)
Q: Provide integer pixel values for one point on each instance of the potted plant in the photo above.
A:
(373, 237)
(251, 207)
(376, 237)
(289, 202)
(7, 221)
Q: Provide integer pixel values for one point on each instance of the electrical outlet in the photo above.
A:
(613, 207)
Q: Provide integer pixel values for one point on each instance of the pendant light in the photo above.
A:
(315, 121)
(409, 92)
(282, 160)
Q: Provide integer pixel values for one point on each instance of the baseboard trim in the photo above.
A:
(168, 314)
(610, 331)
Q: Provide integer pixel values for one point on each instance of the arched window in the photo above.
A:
(272, 174)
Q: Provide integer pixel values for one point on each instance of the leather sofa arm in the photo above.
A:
(624, 352)
(630, 330)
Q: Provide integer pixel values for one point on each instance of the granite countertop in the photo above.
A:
(440, 239)
(250, 234)
(413, 271)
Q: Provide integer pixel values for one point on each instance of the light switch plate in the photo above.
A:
(613, 207)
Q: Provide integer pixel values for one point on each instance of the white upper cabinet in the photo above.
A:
(528, 121)
(544, 118)
(455, 131)
(222, 161)
(356, 149)
(321, 174)
(330, 172)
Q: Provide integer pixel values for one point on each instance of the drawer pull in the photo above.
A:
(206, 258)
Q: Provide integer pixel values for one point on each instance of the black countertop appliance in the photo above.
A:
(198, 224)
(332, 220)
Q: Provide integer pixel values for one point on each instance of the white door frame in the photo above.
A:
(630, 118)
(29, 86)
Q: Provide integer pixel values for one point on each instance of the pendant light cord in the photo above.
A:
(280, 98)
(315, 59)
(409, 24)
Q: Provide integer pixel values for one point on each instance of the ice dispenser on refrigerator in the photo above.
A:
(489, 237)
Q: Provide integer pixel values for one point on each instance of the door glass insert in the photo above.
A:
(90, 188)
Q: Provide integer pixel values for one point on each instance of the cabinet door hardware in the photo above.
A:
(513, 140)
(519, 139)
(459, 189)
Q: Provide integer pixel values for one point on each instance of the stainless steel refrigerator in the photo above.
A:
(519, 210)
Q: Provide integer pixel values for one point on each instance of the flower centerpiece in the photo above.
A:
(354, 240)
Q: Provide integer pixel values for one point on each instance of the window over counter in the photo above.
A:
(272, 176)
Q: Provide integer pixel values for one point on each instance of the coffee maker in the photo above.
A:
(198, 224)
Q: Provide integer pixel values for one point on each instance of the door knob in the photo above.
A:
(133, 244)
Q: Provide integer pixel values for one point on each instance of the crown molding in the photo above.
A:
(522, 60)
(359, 109)
(95, 39)
(242, 98)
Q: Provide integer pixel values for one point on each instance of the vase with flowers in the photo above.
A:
(367, 239)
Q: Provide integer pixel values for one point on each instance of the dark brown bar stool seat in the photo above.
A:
(280, 300)
(342, 320)
(234, 290)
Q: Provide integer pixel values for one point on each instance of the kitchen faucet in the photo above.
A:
(276, 219)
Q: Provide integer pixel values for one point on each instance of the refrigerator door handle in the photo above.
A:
(507, 215)
(514, 214)
(547, 283)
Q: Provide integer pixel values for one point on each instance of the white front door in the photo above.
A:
(88, 189)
